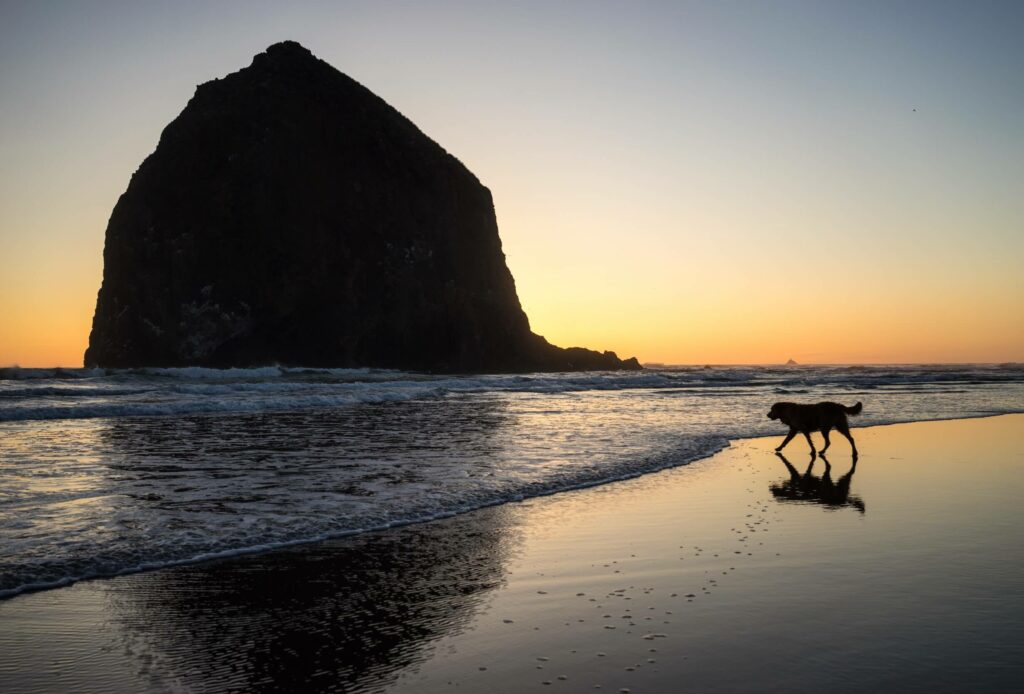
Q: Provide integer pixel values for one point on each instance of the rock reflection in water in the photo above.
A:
(809, 488)
(345, 615)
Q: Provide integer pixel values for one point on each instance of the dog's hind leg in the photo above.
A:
(789, 437)
(824, 432)
(845, 431)
(810, 443)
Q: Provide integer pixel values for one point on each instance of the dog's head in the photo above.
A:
(778, 410)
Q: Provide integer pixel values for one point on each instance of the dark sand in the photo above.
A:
(725, 575)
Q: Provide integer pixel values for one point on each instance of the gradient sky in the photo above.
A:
(706, 182)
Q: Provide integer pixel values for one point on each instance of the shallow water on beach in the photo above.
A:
(742, 573)
(106, 472)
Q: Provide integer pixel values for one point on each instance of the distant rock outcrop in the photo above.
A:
(290, 216)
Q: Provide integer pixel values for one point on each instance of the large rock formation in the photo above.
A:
(290, 216)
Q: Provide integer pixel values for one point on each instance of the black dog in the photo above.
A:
(822, 417)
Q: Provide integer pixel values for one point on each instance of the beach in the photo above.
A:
(418, 348)
(738, 572)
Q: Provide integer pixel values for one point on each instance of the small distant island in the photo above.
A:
(290, 216)
(792, 362)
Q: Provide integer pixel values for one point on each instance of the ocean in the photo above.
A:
(106, 472)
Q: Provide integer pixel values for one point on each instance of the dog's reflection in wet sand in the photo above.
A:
(809, 488)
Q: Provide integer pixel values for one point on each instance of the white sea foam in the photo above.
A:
(104, 567)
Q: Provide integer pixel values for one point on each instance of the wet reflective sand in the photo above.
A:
(743, 572)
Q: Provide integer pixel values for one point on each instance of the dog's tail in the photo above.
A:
(855, 409)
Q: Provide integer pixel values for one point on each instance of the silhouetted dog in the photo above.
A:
(822, 417)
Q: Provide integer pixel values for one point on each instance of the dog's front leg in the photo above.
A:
(789, 437)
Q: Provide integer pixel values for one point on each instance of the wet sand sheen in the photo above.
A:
(736, 573)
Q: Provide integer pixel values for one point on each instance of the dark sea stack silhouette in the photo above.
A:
(290, 216)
